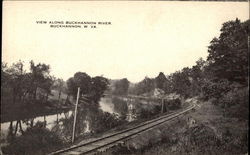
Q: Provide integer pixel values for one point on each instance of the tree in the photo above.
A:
(93, 88)
(197, 75)
(4, 75)
(81, 80)
(46, 85)
(160, 80)
(228, 54)
(99, 85)
(59, 86)
(181, 81)
(168, 85)
(39, 74)
(145, 86)
(121, 87)
(14, 78)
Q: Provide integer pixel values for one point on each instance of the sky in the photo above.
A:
(144, 38)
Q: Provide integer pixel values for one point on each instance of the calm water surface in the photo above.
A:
(61, 121)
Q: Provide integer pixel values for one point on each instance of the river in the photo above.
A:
(116, 107)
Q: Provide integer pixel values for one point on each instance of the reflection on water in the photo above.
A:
(16, 128)
(48, 132)
(90, 120)
(107, 105)
(61, 123)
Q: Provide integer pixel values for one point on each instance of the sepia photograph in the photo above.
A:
(125, 78)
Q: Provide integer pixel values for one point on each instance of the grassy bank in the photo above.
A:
(205, 131)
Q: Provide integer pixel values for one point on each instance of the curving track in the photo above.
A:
(114, 138)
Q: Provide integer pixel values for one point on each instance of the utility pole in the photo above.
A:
(74, 124)
(162, 105)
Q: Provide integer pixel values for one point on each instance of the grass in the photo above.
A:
(204, 131)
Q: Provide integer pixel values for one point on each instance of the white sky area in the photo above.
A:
(144, 39)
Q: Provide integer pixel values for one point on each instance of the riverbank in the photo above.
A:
(205, 131)
(125, 125)
(31, 110)
(97, 123)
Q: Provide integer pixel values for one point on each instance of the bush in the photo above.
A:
(174, 104)
(120, 106)
(216, 89)
(149, 112)
(105, 121)
(236, 103)
(35, 140)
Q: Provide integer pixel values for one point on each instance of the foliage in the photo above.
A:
(236, 102)
(103, 121)
(228, 54)
(174, 104)
(145, 86)
(40, 78)
(160, 80)
(149, 111)
(120, 106)
(121, 87)
(216, 78)
(181, 82)
(215, 90)
(81, 80)
(35, 140)
(22, 86)
(99, 85)
(60, 86)
(92, 88)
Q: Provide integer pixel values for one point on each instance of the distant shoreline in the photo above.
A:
(20, 114)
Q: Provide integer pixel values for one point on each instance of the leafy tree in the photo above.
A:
(197, 77)
(181, 82)
(121, 87)
(216, 90)
(39, 74)
(168, 85)
(145, 86)
(228, 54)
(160, 80)
(81, 80)
(4, 75)
(99, 85)
(14, 78)
(23, 83)
(46, 85)
(71, 87)
(93, 88)
(59, 85)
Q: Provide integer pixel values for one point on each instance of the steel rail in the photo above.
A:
(164, 119)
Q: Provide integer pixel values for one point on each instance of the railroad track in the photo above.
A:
(112, 139)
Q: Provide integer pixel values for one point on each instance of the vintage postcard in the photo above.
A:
(125, 77)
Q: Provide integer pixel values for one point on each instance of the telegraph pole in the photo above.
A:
(74, 124)
(162, 105)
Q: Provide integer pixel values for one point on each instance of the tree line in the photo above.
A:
(18, 85)
(21, 87)
(222, 77)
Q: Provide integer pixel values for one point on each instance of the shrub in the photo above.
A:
(105, 121)
(35, 140)
(149, 112)
(120, 106)
(236, 102)
(212, 89)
